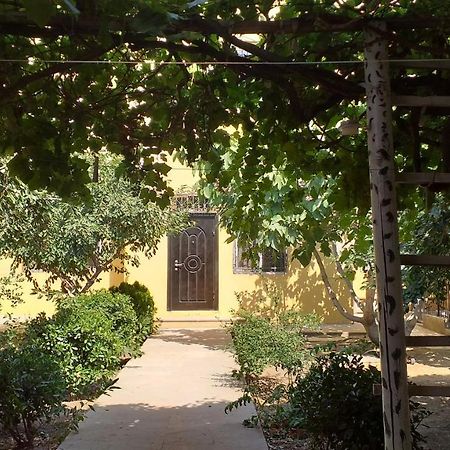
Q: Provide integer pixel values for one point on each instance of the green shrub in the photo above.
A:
(32, 389)
(87, 337)
(82, 342)
(143, 305)
(335, 403)
(117, 307)
(260, 342)
(269, 337)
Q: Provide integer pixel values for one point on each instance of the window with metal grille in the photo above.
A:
(190, 202)
(268, 261)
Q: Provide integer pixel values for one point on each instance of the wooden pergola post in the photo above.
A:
(397, 430)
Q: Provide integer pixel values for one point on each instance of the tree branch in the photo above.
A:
(330, 80)
(344, 277)
(10, 91)
(332, 295)
(19, 24)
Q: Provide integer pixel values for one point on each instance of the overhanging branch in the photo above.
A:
(18, 24)
(344, 277)
(10, 91)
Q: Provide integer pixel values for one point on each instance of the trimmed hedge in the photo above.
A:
(117, 307)
(87, 337)
(143, 305)
(32, 388)
(70, 355)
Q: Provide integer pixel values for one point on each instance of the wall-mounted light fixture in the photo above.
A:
(349, 127)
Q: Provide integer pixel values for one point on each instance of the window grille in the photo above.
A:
(268, 261)
(191, 202)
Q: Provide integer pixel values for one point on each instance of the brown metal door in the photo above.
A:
(193, 280)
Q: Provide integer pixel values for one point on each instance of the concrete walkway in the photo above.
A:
(172, 398)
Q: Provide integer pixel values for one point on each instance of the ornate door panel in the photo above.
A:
(193, 277)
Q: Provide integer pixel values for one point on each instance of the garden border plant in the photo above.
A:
(33, 389)
(335, 404)
(143, 304)
(268, 337)
(72, 355)
(328, 398)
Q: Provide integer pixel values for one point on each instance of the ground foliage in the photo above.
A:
(269, 336)
(326, 401)
(260, 342)
(86, 340)
(335, 403)
(71, 356)
(33, 389)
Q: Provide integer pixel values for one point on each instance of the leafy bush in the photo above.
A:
(143, 305)
(260, 342)
(117, 307)
(82, 343)
(335, 403)
(76, 352)
(32, 389)
(87, 337)
(269, 337)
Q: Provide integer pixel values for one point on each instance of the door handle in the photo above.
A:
(176, 264)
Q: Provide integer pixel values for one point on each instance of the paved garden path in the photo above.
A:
(172, 398)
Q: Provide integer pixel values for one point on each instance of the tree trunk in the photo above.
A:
(96, 170)
(331, 293)
(370, 318)
(397, 430)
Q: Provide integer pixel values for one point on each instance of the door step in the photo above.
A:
(192, 322)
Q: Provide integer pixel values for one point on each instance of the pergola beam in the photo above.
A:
(17, 23)
(426, 64)
(433, 101)
(423, 178)
(420, 391)
(425, 260)
(428, 341)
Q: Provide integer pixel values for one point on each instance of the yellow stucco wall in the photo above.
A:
(34, 304)
(301, 287)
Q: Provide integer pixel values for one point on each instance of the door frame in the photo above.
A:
(215, 262)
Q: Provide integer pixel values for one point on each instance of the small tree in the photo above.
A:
(308, 214)
(282, 211)
(77, 242)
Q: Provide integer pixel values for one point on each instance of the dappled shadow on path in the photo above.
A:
(214, 339)
(432, 356)
(435, 428)
(198, 426)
